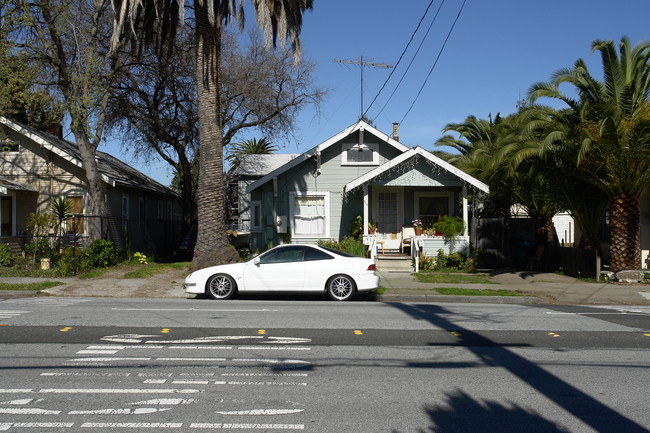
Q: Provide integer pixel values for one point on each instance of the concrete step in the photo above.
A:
(394, 263)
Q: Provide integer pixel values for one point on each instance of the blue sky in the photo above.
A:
(497, 49)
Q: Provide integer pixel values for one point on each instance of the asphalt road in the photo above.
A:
(97, 364)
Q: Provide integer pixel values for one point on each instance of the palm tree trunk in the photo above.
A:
(624, 233)
(212, 246)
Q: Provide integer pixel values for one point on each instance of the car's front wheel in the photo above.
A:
(221, 286)
(340, 287)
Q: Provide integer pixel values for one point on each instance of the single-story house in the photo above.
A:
(359, 172)
(37, 166)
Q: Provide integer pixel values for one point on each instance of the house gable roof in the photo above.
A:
(112, 170)
(411, 153)
(7, 184)
(360, 125)
(262, 164)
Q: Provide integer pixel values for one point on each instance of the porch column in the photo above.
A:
(465, 212)
(365, 209)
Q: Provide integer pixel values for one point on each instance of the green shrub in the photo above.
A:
(73, 259)
(102, 253)
(347, 245)
(5, 255)
(453, 261)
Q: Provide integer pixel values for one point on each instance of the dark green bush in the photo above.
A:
(5, 255)
(102, 253)
(73, 259)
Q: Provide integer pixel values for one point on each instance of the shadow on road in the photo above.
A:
(463, 414)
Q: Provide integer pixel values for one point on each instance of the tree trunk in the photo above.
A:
(624, 233)
(96, 201)
(212, 246)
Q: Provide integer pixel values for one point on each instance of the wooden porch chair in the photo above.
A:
(536, 260)
(407, 233)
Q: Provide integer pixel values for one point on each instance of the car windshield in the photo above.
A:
(337, 252)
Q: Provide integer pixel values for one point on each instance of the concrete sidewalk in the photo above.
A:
(540, 287)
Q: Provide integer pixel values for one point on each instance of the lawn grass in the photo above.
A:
(146, 271)
(42, 285)
(453, 278)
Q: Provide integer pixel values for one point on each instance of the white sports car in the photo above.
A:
(289, 268)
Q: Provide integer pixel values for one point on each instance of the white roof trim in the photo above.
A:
(47, 145)
(409, 154)
(360, 125)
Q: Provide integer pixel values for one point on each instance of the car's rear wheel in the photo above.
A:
(340, 287)
(221, 286)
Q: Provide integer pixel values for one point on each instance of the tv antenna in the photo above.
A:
(361, 63)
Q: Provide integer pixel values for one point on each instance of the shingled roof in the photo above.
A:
(113, 171)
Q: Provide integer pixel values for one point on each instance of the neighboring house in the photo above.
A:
(37, 166)
(358, 172)
(251, 168)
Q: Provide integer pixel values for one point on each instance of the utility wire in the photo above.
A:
(412, 59)
(400, 57)
(436, 62)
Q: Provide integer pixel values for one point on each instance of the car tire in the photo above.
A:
(221, 286)
(340, 287)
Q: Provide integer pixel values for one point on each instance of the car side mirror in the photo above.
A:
(256, 261)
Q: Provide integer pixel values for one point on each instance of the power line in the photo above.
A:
(436, 62)
(401, 56)
(408, 68)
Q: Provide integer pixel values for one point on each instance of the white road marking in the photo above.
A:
(165, 401)
(118, 391)
(256, 412)
(7, 426)
(215, 339)
(97, 352)
(191, 359)
(21, 401)
(156, 381)
(261, 383)
(202, 347)
(87, 374)
(249, 426)
(28, 411)
(139, 411)
(190, 382)
(16, 391)
(109, 359)
(645, 294)
(287, 340)
(111, 347)
(128, 338)
(131, 425)
(272, 348)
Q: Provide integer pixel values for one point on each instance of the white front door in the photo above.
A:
(388, 210)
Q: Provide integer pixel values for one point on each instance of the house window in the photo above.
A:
(309, 215)
(430, 206)
(77, 209)
(356, 154)
(256, 216)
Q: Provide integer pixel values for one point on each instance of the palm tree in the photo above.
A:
(607, 133)
(155, 22)
(253, 146)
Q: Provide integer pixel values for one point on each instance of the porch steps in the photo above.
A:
(393, 263)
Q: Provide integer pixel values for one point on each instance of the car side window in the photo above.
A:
(283, 255)
(314, 254)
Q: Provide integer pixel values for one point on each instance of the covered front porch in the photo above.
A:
(409, 193)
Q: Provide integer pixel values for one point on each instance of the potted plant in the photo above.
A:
(372, 228)
(417, 225)
(449, 227)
